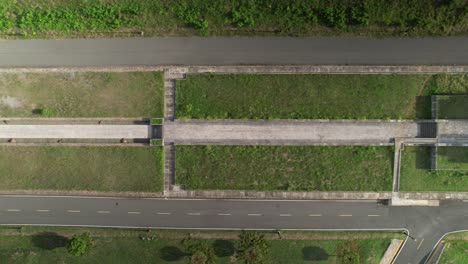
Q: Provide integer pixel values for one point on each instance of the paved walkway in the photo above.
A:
(75, 131)
(288, 132)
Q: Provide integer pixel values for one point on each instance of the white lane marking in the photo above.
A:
(103, 212)
(345, 215)
(420, 244)
(224, 214)
(163, 213)
(193, 213)
(373, 215)
(133, 212)
(42, 210)
(315, 215)
(13, 210)
(285, 214)
(73, 211)
(254, 214)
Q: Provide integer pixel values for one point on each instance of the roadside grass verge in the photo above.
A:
(455, 252)
(291, 168)
(48, 244)
(58, 18)
(82, 94)
(416, 173)
(312, 96)
(81, 168)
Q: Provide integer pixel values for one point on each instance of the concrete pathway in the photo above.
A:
(75, 131)
(288, 132)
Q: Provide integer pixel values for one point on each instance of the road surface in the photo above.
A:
(234, 50)
(425, 224)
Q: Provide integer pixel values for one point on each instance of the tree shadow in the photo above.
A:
(49, 240)
(171, 253)
(423, 107)
(313, 253)
(423, 158)
(223, 248)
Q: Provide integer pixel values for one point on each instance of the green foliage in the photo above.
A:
(79, 244)
(252, 248)
(200, 252)
(349, 253)
(46, 112)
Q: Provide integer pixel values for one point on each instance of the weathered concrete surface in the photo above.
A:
(232, 194)
(434, 195)
(453, 128)
(74, 131)
(287, 132)
(391, 251)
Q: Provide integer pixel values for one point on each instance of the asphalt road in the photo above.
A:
(425, 224)
(236, 50)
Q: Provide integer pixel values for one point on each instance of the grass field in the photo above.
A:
(82, 94)
(87, 168)
(452, 107)
(452, 158)
(293, 168)
(313, 96)
(47, 245)
(455, 252)
(59, 18)
(416, 174)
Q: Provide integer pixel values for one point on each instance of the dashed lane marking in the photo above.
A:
(73, 211)
(133, 212)
(420, 244)
(163, 213)
(13, 210)
(103, 212)
(42, 210)
(254, 214)
(373, 215)
(193, 213)
(285, 214)
(224, 214)
(345, 215)
(315, 215)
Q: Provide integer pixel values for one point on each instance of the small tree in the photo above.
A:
(252, 248)
(79, 244)
(348, 253)
(200, 252)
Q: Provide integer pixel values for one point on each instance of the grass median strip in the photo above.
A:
(82, 94)
(416, 173)
(84, 168)
(48, 245)
(293, 168)
(313, 96)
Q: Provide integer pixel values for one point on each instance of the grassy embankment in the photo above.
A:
(58, 18)
(313, 96)
(47, 244)
(293, 168)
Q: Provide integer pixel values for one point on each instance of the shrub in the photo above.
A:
(79, 244)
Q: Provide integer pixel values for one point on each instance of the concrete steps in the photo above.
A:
(169, 167)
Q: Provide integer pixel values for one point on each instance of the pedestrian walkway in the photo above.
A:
(288, 132)
(75, 131)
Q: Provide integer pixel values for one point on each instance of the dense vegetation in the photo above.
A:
(297, 17)
(291, 168)
(312, 96)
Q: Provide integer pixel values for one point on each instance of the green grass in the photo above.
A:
(452, 158)
(455, 252)
(82, 94)
(452, 107)
(313, 96)
(37, 245)
(294, 168)
(59, 18)
(416, 174)
(87, 168)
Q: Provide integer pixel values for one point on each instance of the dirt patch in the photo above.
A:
(10, 102)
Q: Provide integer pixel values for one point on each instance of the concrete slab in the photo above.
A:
(75, 131)
(287, 132)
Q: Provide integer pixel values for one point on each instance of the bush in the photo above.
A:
(79, 244)
(348, 253)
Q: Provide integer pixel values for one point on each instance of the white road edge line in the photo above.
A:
(13, 210)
